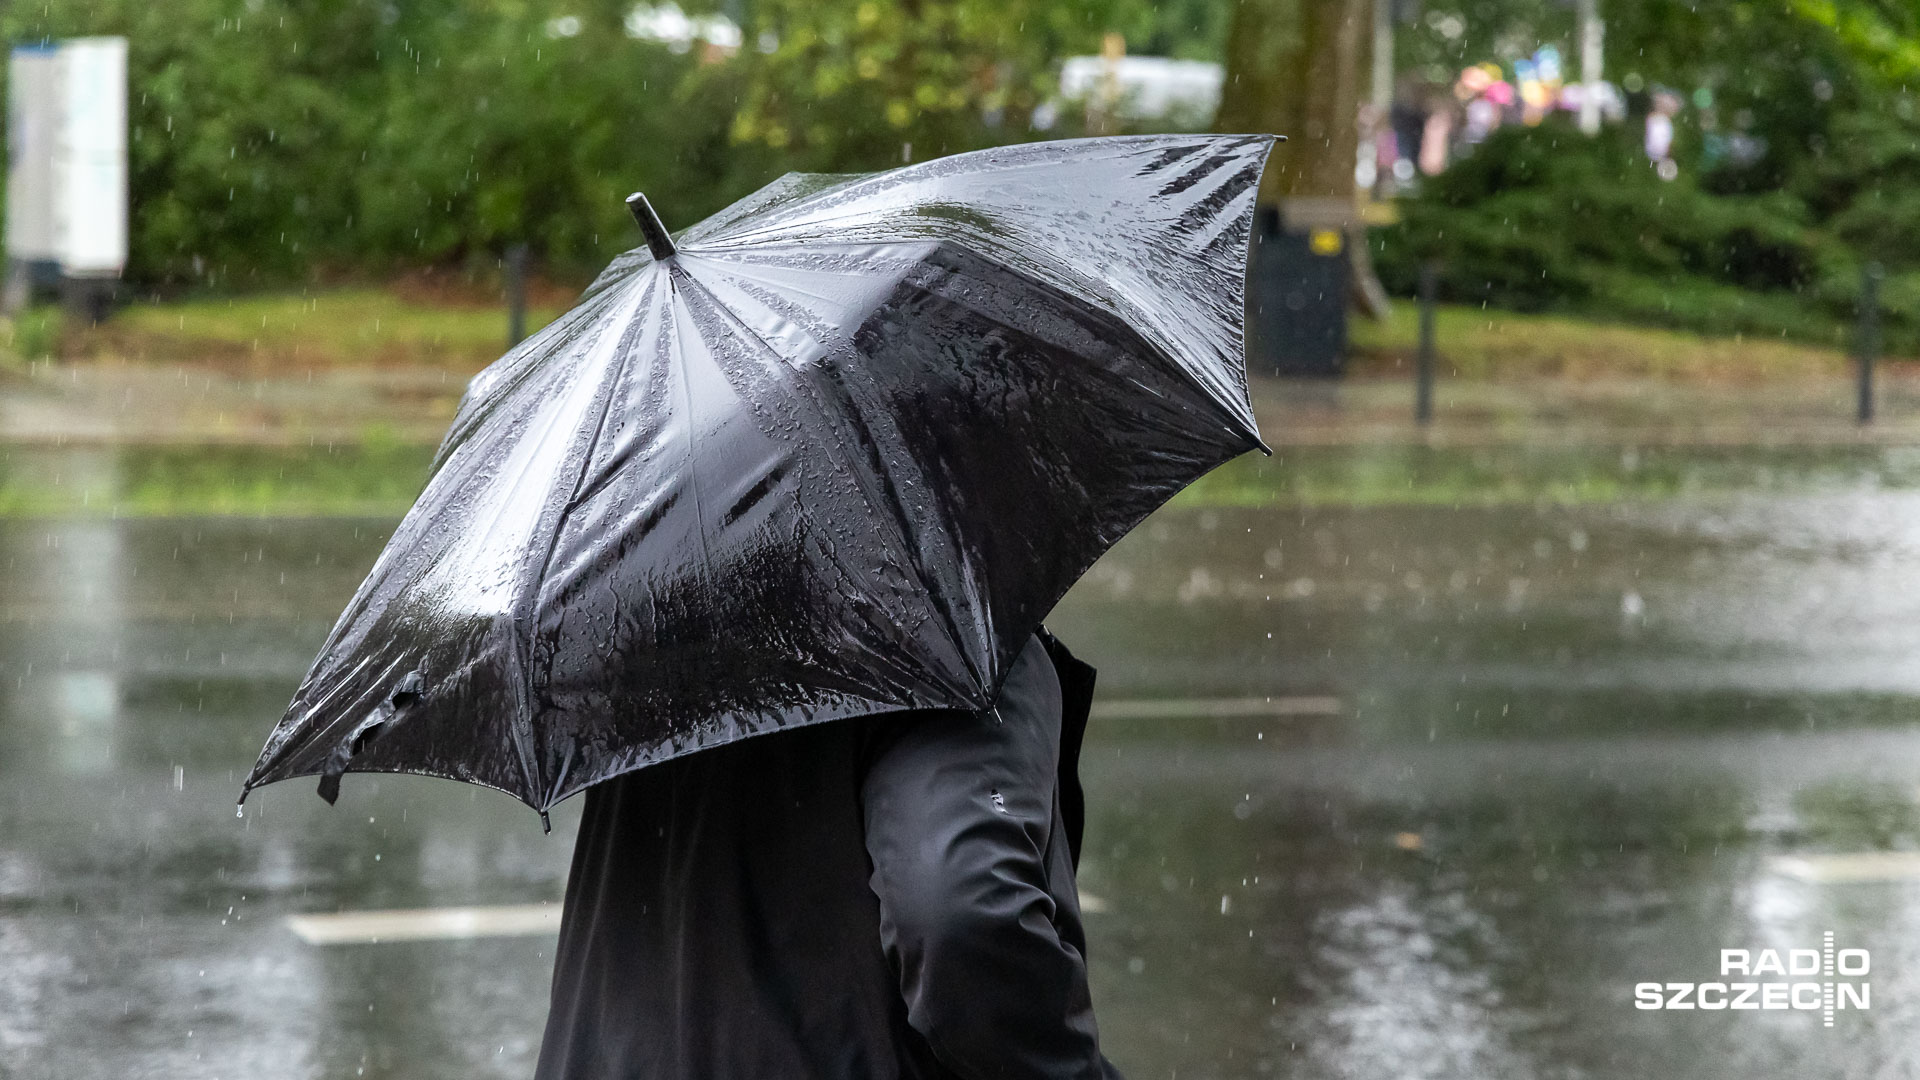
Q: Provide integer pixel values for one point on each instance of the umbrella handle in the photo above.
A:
(658, 241)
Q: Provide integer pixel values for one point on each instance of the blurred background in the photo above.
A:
(1568, 638)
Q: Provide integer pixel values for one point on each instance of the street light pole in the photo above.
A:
(1866, 345)
(1424, 358)
(515, 271)
(1593, 34)
(1382, 96)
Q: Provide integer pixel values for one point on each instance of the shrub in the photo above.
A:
(1547, 218)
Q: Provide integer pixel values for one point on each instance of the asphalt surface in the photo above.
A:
(1568, 750)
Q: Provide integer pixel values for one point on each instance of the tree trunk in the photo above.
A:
(1294, 69)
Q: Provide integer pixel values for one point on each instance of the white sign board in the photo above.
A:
(33, 114)
(1145, 87)
(90, 161)
(67, 156)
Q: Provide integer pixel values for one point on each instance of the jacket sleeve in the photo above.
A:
(979, 915)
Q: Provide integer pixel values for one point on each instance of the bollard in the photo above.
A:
(515, 266)
(1423, 361)
(87, 300)
(1867, 340)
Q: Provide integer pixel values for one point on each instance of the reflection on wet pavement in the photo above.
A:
(1558, 750)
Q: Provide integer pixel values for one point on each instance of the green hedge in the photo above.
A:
(1546, 218)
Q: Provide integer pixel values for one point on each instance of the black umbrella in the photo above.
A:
(836, 451)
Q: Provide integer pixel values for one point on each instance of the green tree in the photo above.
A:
(270, 139)
(273, 139)
(865, 85)
(1294, 69)
(1884, 34)
(510, 126)
(239, 122)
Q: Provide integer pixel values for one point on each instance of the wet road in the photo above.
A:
(1571, 745)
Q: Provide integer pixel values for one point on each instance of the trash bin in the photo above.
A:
(1297, 286)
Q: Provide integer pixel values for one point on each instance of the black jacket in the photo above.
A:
(859, 900)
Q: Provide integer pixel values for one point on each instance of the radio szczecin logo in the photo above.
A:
(1745, 984)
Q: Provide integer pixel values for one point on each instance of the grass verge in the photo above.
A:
(381, 479)
(289, 332)
(398, 326)
(1478, 343)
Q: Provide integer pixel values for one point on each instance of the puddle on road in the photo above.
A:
(1572, 740)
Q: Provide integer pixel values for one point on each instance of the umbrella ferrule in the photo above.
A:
(658, 241)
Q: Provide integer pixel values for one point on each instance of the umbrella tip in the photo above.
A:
(658, 241)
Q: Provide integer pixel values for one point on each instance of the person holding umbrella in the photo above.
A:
(753, 546)
(889, 897)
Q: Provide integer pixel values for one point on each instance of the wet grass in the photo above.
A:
(374, 479)
(1480, 343)
(332, 328)
(463, 326)
(380, 477)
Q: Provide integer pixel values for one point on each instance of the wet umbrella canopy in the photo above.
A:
(835, 451)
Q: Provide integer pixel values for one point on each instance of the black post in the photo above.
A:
(1423, 360)
(87, 300)
(1867, 342)
(516, 273)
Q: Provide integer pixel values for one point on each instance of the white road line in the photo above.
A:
(1856, 868)
(462, 923)
(1215, 708)
(425, 924)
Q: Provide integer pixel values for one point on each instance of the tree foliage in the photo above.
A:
(1884, 34)
(1546, 218)
(277, 138)
(271, 138)
(869, 84)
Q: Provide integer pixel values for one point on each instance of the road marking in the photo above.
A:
(1215, 708)
(425, 924)
(462, 923)
(1856, 868)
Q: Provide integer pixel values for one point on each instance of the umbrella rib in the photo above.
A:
(1063, 278)
(866, 188)
(1129, 314)
(692, 469)
(893, 534)
(745, 237)
(472, 411)
(530, 598)
(747, 212)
